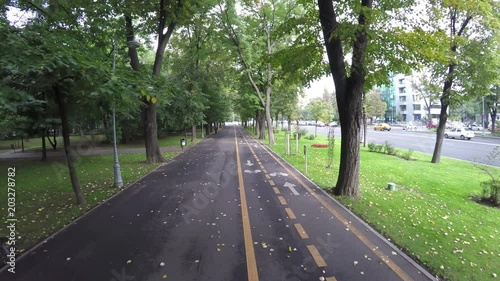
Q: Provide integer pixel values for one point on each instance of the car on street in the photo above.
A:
(475, 127)
(382, 127)
(459, 133)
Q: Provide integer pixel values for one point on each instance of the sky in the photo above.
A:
(317, 88)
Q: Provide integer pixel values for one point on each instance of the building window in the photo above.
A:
(435, 115)
(402, 99)
(401, 81)
(417, 116)
(402, 90)
(402, 107)
(417, 107)
(404, 117)
(436, 106)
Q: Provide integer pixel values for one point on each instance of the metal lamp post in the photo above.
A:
(116, 165)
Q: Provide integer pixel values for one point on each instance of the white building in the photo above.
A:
(404, 100)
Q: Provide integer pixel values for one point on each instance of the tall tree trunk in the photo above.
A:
(446, 95)
(349, 92)
(63, 114)
(257, 123)
(443, 117)
(365, 127)
(53, 142)
(44, 147)
(262, 125)
(193, 132)
(150, 129)
(148, 110)
(493, 114)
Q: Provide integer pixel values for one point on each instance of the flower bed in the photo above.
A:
(317, 145)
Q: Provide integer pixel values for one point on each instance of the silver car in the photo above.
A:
(461, 133)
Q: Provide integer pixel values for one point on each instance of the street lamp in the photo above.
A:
(116, 165)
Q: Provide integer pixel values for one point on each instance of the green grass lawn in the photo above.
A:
(430, 215)
(45, 201)
(35, 144)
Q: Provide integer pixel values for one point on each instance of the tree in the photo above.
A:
(320, 111)
(347, 28)
(163, 17)
(260, 24)
(492, 104)
(375, 106)
(468, 54)
(425, 85)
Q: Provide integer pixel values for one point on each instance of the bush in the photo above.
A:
(407, 155)
(372, 147)
(491, 188)
(389, 149)
(491, 192)
(301, 132)
(311, 137)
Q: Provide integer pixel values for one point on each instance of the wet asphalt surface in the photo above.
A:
(184, 222)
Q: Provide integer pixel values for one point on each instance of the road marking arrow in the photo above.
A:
(291, 186)
(252, 172)
(278, 174)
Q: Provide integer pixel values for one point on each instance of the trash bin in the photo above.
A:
(183, 143)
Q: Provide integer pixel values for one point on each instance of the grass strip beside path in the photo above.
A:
(430, 216)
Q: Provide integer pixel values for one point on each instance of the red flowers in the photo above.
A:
(317, 145)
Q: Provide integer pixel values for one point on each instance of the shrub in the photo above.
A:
(491, 188)
(407, 155)
(491, 192)
(301, 132)
(389, 149)
(372, 147)
(311, 137)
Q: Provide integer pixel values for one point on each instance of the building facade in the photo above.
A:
(404, 102)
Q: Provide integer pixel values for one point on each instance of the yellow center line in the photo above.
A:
(268, 176)
(282, 200)
(290, 213)
(301, 231)
(331, 279)
(271, 182)
(400, 272)
(316, 256)
(276, 190)
(247, 230)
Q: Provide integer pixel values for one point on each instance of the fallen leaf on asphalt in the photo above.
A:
(129, 261)
(164, 276)
(162, 264)
(68, 258)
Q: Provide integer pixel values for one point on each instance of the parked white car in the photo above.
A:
(461, 133)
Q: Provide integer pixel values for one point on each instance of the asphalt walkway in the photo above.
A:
(226, 209)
